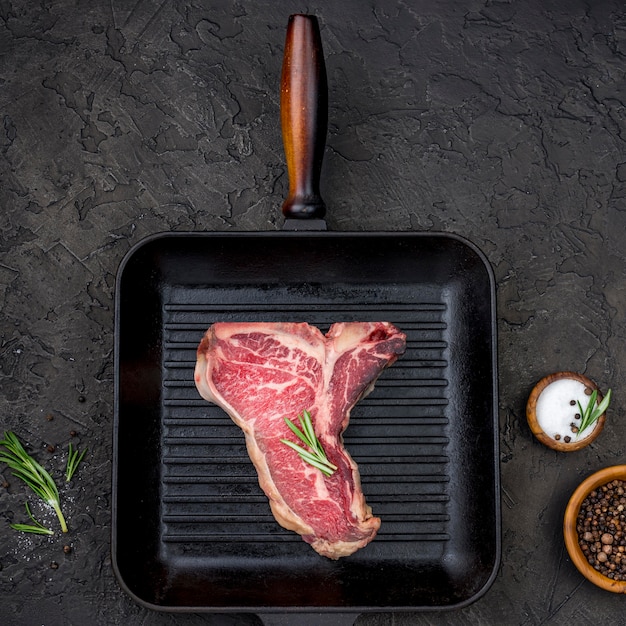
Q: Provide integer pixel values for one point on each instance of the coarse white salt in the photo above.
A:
(556, 413)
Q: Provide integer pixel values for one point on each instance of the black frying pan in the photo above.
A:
(192, 530)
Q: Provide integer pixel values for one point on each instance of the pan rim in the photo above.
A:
(301, 234)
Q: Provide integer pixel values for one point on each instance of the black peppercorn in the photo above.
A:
(600, 534)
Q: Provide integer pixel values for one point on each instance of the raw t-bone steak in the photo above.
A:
(260, 373)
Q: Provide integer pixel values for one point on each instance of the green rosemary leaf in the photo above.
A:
(36, 529)
(325, 469)
(315, 454)
(309, 457)
(604, 405)
(34, 475)
(73, 460)
(324, 466)
(307, 427)
(27, 528)
(305, 420)
(586, 412)
(592, 412)
(296, 431)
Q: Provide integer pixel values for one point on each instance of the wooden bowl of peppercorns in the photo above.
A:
(594, 528)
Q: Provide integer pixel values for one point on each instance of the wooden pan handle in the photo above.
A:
(304, 116)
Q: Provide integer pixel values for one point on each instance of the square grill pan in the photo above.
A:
(192, 530)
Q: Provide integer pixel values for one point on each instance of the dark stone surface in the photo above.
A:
(499, 121)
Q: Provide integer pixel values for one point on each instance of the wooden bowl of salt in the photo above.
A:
(553, 411)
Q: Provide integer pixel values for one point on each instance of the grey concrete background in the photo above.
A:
(500, 121)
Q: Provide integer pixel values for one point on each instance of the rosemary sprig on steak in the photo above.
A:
(315, 454)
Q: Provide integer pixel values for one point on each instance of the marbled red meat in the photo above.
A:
(260, 373)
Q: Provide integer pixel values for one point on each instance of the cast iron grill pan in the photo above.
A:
(192, 529)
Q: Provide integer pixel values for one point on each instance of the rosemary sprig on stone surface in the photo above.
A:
(36, 528)
(315, 454)
(73, 459)
(34, 475)
(590, 414)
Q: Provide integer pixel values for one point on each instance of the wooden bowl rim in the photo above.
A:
(570, 533)
(540, 434)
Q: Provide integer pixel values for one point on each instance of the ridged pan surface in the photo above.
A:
(192, 530)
